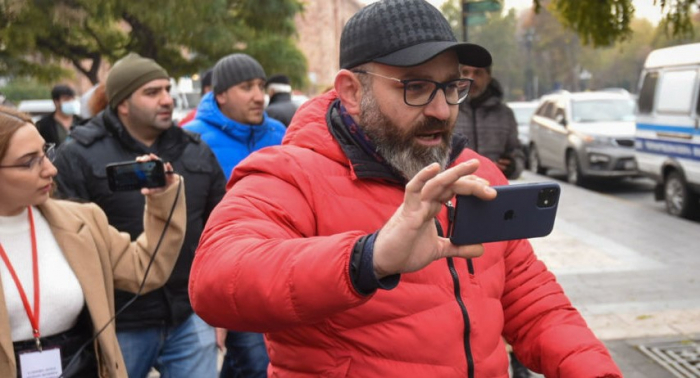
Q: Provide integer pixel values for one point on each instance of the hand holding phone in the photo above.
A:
(147, 172)
(519, 211)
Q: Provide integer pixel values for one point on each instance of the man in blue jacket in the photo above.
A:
(232, 120)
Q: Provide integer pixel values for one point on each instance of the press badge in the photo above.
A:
(41, 364)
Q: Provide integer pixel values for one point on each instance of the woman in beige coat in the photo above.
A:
(80, 260)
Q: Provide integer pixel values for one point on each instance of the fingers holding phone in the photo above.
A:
(409, 241)
(148, 174)
(168, 174)
(441, 187)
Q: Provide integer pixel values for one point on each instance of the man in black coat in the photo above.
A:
(159, 329)
(281, 106)
(55, 127)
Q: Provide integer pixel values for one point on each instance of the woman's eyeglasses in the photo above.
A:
(49, 152)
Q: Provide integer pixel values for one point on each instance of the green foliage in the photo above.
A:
(600, 22)
(25, 89)
(184, 36)
(619, 65)
(605, 22)
(678, 23)
(536, 53)
(498, 36)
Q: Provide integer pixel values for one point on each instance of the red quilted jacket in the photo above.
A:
(275, 256)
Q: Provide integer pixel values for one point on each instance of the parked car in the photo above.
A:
(36, 108)
(523, 111)
(588, 135)
(668, 139)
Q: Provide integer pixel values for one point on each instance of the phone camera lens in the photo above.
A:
(547, 197)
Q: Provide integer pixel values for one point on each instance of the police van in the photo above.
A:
(667, 139)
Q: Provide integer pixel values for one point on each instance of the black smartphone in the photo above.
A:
(519, 211)
(133, 175)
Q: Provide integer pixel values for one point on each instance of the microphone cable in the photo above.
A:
(138, 293)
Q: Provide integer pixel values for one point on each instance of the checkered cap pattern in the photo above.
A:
(402, 33)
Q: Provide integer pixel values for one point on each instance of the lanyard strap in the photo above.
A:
(33, 316)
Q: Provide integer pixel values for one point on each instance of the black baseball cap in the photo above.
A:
(403, 33)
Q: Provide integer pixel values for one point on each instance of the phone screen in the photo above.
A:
(135, 175)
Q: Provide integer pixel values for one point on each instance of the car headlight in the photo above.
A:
(600, 140)
(598, 158)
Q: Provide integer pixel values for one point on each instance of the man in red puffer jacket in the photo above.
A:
(335, 243)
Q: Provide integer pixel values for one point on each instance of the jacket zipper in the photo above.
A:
(457, 290)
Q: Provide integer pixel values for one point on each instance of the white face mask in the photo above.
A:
(71, 107)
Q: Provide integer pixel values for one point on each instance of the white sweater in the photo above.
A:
(61, 297)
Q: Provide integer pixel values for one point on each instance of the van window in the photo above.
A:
(676, 91)
(559, 114)
(646, 94)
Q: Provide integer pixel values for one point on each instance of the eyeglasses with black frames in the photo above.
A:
(419, 92)
(49, 152)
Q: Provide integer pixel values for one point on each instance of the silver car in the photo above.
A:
(587, 135)
(523, 111)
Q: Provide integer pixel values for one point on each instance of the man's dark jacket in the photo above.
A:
(491, 129)
(282, 108)
(81, 162)
(48, 128)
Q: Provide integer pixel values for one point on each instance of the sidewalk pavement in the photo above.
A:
(632, 289)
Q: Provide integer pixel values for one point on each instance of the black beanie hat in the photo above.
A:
(403, 33)
(206, 79)
(129, 74)
(233, 69)
(278, 79)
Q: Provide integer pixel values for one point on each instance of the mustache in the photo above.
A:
(432, 125)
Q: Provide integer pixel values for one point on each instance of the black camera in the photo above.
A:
(547, 197)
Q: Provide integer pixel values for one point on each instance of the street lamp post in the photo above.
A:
(584, 76)
(465, 20)
(529, 74)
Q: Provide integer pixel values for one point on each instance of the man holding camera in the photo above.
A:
(158, 329)
(489, 124)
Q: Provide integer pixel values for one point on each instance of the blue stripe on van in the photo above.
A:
(669, 129)
(667, 148)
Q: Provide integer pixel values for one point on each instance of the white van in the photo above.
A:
(667, 139)
(36, 108)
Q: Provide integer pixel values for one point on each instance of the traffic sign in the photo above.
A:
(482, 6)
(474, 19)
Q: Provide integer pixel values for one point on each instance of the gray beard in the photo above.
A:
(396, 146)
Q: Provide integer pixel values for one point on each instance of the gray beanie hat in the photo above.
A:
(233, 69)
(129, 74)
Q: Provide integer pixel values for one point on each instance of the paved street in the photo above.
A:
(629, 268)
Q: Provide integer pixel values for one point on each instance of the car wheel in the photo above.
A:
(573, 170)
(533, 161)
(680, 200)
